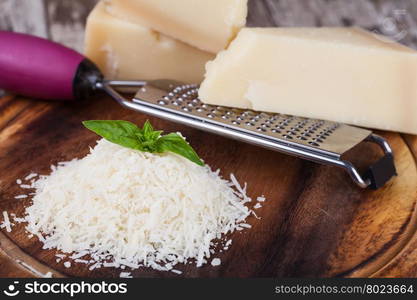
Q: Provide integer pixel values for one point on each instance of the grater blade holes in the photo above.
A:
(301, 130)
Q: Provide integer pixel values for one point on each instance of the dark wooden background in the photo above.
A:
(63, 20)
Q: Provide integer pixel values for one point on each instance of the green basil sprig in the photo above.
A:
(144, 139)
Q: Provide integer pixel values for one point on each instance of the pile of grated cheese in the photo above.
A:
(119, 207)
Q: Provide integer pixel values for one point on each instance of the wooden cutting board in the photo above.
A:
(315, 221)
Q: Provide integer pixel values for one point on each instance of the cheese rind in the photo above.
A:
(339, 74)
(123, 50)
(207, 25)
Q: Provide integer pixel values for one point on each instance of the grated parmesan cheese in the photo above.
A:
(125, 275)
(96, 265)
(216, 262)
(30, 176)
(48, 275)
(260, 199)
(6, 221)
(257, 205)
(245, 225)
(123, 207)
(25, 186)
(81, 261)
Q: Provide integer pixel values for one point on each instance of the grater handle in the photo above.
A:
(377, 174)
(39, 68)
(380, 172)
(384, 169)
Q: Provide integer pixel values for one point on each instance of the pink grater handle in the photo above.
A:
(39, 68)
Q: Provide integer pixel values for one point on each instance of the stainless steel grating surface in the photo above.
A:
(331, 137)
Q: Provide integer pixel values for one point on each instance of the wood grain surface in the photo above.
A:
(316, 222)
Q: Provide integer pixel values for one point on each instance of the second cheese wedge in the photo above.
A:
(125, 50)
(337, 74)
(206, 24)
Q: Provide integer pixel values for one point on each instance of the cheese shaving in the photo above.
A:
(260, 199)
(30, 176)
(216, 262)
(257, 205)
(6, 223)
(125, 275)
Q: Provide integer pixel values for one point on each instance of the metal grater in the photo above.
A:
(315, 140)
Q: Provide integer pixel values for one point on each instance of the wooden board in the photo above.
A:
(316, 222)
(370, 230)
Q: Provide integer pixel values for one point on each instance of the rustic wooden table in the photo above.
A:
(63, 21)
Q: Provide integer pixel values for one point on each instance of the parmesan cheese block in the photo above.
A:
(124, 50)
(208, 25)
(339, 74)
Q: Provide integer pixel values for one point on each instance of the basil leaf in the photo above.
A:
(119, 132)
(147, 133)
(144, 139)
(155, 135)
(147, 130)
(175, 143)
